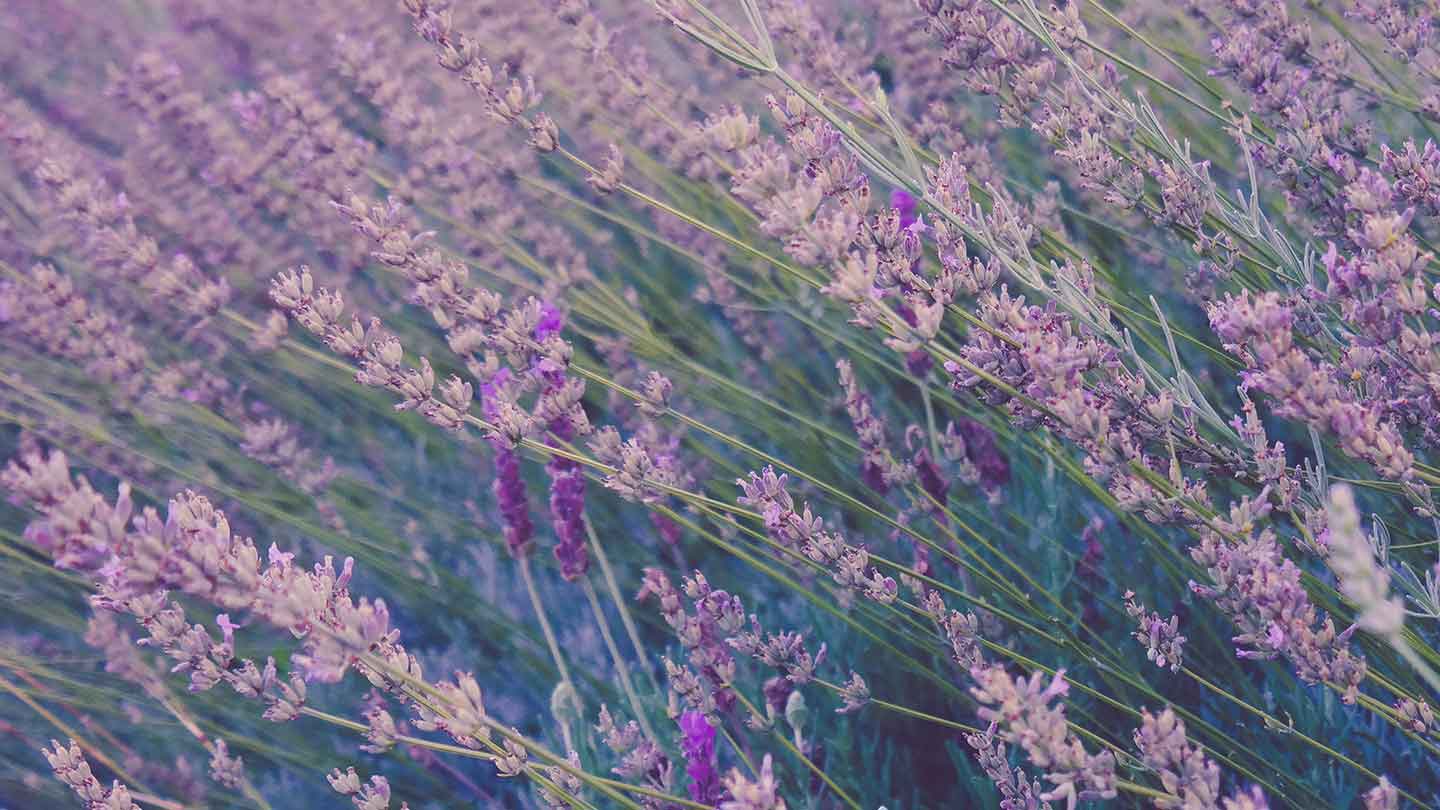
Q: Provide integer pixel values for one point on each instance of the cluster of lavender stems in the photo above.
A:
(890, 360)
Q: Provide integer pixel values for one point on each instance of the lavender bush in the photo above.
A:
(735, 404)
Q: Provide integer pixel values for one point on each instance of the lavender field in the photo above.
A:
(733, 404)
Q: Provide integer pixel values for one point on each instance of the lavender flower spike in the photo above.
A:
(1023, 708)
(1192, 780)
(567, 510)
(1163, 643)
(761, 793)
(1364, 582)
(1017, 791)
(70, 767)
(698, 745)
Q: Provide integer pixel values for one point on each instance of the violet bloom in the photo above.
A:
(1022, 709)
(1163, 643)
(1262, 592)
(1191, 778)
(904, 202)
(717, 615)
(984, 453)
(509, 486)
(698, 745)
(509, 490)
(849, 566)
(1017, 790)
(918, 362)
(1260, 330)
(551, 321)
(567, 510)
(68, 763)
(668, 528)
(567, 480)
(933, 481)
(877, 468)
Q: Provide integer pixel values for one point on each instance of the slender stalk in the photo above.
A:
(612, 586)
(621, 668)
(552, 643)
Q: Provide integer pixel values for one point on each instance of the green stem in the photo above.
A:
(621, 668)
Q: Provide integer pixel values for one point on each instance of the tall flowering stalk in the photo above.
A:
(1017, 792)
(1262, 593)
(193, 551)
(1022, 706)
(850, 567)
(68, 763)
(1191, 780)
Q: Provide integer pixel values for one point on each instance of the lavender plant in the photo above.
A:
(730, 404)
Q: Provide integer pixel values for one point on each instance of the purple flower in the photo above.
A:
(551, 322)
(698, 745)
(490, 392)
(702, 635)
(878, 468)
(1163, 643)
(932, 480)
(904, 202)
(509, 490)
(668, 528)
(1185, 772)
(68, 763)
(567, 510)
(1259, 330)
(1021, 707)
(1017, 791)
(985, 454)
(1262, 592)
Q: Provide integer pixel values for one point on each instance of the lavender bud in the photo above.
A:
(1163, 643)
(656, 393)
(1364, 582)
(225, 769)
(855, 693)
(544, 134)
(607, 179)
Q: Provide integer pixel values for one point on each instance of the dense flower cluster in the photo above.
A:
(1262, 592)
(1163, 643)
(70, 767)
(1191, 780)
(996, 312)
(1023, 708)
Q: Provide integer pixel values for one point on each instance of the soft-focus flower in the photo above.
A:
(760, 793)
(697, 742)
